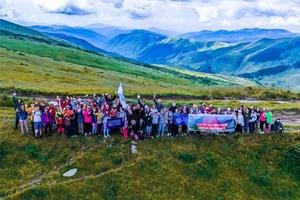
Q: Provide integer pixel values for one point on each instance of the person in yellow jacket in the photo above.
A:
(30, 111)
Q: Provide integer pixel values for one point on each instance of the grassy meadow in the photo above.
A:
(224, 167)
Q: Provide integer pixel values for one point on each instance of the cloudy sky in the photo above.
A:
(173, 15)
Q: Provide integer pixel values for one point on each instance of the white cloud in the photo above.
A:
(178, 15)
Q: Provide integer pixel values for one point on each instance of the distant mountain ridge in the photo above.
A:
(90, 36)
(237, 36)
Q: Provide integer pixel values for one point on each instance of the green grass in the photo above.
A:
(224, 167)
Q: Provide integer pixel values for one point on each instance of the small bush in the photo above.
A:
(116, 160)
(32, 150)
(187, 157)
(291, 160)
(35, 193)
(6, 101)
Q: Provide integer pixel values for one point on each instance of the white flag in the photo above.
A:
(122, 97)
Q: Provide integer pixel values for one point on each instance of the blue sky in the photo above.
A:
(172, 15)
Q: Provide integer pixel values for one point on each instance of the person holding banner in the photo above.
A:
(184, 113)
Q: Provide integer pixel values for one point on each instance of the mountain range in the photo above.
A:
(268, 56)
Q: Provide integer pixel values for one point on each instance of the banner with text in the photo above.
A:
(211, 123)
(115, 123)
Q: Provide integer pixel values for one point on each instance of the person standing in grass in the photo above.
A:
(148, 122)
(105, 119)
(185, 113)
(59, 116)
(252, 121)
(87, 116)
(17, 103)
(23, 120)
(158, 103)
(269, 120)
(155, 117)
(162, 122)
(29, 111)
(246, 121)
(37, 120)
(175, 126)
(99, 116)
(239, 122)
(47, 121)
(170, 122)
(94, 121)
(80, 120)
(68, 115)
(262, 120)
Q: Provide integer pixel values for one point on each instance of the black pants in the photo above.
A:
(47, 129)
(239, 128)
(32, 127)
(17, 121)
(184, 128)
(174, 129)
(154, 129)
(87, 127)
(251, 127)
(99, 129)
(262, 125)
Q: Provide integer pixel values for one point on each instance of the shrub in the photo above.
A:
(6, 101)
(32, 150)
(35, 193)
(291, 160)
(187, 157)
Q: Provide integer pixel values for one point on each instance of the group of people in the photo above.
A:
(90, 115)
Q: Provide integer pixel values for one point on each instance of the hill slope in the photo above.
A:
(130, 44)
(37, 65)
(224, 167)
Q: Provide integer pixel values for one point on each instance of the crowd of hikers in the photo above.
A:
(89, 115)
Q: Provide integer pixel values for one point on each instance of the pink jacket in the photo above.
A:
(262, 116)
(87, 118)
